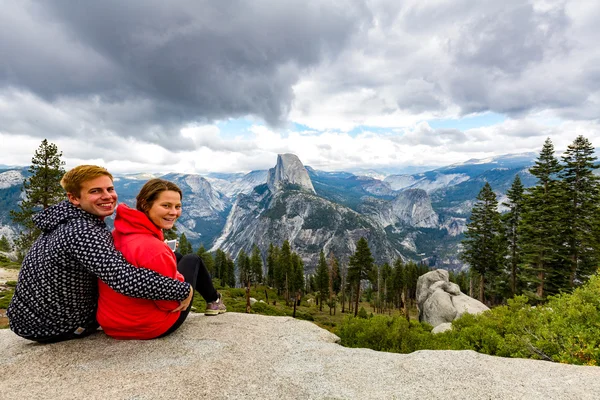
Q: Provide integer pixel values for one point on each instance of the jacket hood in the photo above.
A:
(131, 221)
(48, 219)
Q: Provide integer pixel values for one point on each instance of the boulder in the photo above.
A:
(440, 301)
(446, 326)
(249, 356)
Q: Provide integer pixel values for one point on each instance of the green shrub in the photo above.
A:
(565, 329)
(383, 333)
(265, 309)
(5, 297)
(362, 313)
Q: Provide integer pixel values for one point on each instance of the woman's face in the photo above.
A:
(166, 209)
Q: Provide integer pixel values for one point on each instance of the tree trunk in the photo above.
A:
(294, 313)
(248, 297)
(357, 298)
(573, 270)
(481, 281)
(471, 286)
(540, 288)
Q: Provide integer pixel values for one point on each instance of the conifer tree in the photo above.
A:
(272, 265)
(335, 281)
(297, 276)
(244, 268)
(411, 276)
(185, 247)
(483, 241)
(540, 228)
(285, 269)
(42, 189)
(256, 265)
(170, 234)
(581, 193)
(386, 287)
(220, 265)
(4, 244)
(322, 279)
(398, 286)
(334, 274)
(208, 260)
(361, 265)
(511, 221)
(230, 281)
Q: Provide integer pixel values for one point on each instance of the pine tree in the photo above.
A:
(334, 282)
(244, 268)
(42, 189)
(220, 265)
(208, 260)
(284, 270)
(540, 228)
(361, 264)
(411, 276)
(170, 234)
(581, 196)
(297, 276)
(185, 247)
(272, 265)
(322, 279)
(511, 221)
(230, 281)
(4, 244)
(483, 241)
(386, 287)
(398, 285)
(256, 265)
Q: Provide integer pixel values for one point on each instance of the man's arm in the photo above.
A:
(96, 251)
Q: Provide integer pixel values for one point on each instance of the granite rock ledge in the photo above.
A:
(246, 356)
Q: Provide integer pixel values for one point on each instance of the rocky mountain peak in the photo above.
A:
(289, 171)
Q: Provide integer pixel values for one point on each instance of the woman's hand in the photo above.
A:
(186, 302)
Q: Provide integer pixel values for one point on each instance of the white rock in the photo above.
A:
(440, 301)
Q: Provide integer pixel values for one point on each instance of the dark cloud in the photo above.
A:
(189, 60)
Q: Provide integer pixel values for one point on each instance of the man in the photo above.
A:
(57, 293)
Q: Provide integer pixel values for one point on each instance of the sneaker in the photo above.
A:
(215, 307)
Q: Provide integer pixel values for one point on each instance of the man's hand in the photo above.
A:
(186, 302)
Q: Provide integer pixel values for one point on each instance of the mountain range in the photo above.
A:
(419, 216)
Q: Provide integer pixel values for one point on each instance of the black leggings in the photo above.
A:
(195, 273)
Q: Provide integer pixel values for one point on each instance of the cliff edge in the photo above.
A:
(247, 356)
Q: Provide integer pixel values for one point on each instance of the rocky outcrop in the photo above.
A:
(409, 208)
(10, 178)
(289, 170)
(246, 356)
(308, 222)
(441, 301)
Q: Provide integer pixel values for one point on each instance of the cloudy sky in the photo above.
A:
(224, 86)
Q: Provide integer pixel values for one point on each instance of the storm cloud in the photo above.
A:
(108, 76)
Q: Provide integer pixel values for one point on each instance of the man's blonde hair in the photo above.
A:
(72, 180)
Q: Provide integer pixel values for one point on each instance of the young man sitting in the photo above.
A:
(57, 292)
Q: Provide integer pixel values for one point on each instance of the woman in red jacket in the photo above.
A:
(138, 234)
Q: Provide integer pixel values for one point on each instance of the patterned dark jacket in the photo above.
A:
(57, 290)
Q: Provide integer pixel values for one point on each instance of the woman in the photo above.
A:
(138, 234)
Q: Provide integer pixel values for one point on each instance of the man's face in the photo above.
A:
(98, 197)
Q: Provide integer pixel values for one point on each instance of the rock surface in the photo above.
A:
(289, 170)
(245, 356)
(441, 301)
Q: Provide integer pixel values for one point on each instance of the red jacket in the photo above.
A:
(141, 242)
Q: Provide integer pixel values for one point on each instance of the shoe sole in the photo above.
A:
(213, 313)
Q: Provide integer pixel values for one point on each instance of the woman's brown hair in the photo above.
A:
(150, 192)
